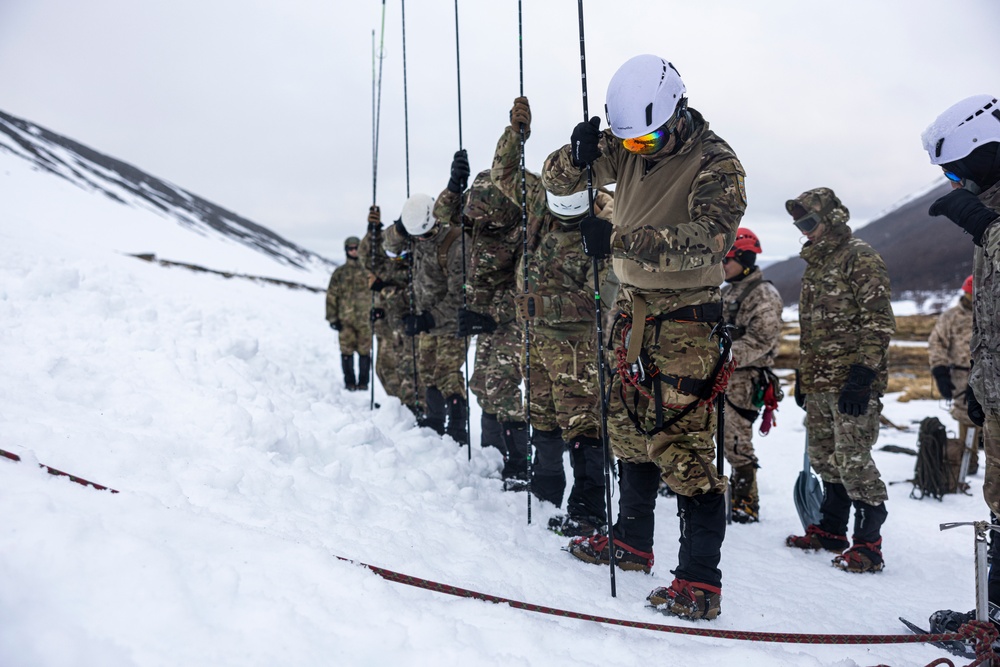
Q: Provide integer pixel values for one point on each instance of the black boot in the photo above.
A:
(994, 558)
(703, 528)
(548, 480)
(458, 419)
(836, 509)
(638, 484)
(586, 498)
(347, 363)
(364, 371)
(745, 503)
(515, 466)
(433, 411)
(865, 555)
(491, 433)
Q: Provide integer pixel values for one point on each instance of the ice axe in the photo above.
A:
(808, 492)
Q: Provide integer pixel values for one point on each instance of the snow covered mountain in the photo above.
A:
(215, 407)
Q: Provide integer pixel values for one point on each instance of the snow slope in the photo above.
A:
(215, 407)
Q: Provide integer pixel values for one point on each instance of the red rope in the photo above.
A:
(52, 471)
(982, 633)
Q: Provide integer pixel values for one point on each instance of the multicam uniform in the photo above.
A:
(674, 221)
(562, 352)
(985, 376)
(950, 345)
(753, 307)
(348, 302)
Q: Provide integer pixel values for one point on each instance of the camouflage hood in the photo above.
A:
(486, 205)
(822, 201)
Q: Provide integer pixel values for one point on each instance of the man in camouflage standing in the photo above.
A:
(347, 311)
(949, 353)
(846, 322)
(557, 302)
(752, 308)
(678, 202)
(437, 285)
(489, 314)
(389, 279)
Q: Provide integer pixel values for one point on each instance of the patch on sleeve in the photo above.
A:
(741, 187)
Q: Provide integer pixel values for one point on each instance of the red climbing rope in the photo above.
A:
(52, 471)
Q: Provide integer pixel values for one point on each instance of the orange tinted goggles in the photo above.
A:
(647, 144)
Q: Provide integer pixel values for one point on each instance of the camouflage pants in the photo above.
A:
(439, 363)
(739, 430)
(840, 446)
(991, 443)
(355, 338)
(496, 381)
(564, 387)
(685, 452)
(394, 365)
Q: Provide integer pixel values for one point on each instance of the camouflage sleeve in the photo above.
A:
(506, 175)
(716, 206)
(576, 305)
(448, 207)
(761, 314)
(937, 342)
(561, 177)
(491, 269)
(332, 298)
(445, 311)
(869, 281)
(371, 254)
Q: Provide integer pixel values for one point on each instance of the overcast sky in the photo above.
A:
(265, 106)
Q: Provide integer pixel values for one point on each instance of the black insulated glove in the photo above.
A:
(942, 378)
(965, 210)
(596, 236)
(583, 142)
(417, 324)
(459, 172)
(378, 285)
(378, 314)
(975, 411)
(471, 323)
(800, 397)
(335, 325)
(857, 391)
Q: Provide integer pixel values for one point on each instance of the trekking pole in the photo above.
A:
(981, 528)
(409, 242)
(524, 264)
(376, 117)
(598, 317)
(465, 285)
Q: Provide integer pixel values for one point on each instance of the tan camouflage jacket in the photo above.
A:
(845, 313)
(753, 306)
(493, 251)
(985, 378)
(348, 298)
(949, 342)
(675, 219)
(557, 268)
(437, 274)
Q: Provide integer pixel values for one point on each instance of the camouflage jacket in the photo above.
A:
(753, 306)
(557, 268)
(949, 342)
(394, 271)
(985, 378)
(675, 219)
(437, 274)
(845, 313)
(492, 255)
(348, 298)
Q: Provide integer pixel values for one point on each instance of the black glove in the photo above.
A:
(416, 324)
(800, 397)
(965, 210)
(378, 285)
(975, 411)
(459, 172)
(335, 325)
(471, 323)
(857, 391)
(583, 142)
(378, 314)
(942, 377)
(400, 229)
(596, 235)
(374, 220)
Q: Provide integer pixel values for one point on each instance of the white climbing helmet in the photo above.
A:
(569, 206)
(962, 128)
(418, 215)
(642, 96)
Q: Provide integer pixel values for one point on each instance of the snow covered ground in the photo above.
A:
(215, 407)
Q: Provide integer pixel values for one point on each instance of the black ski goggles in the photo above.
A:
(808, 223)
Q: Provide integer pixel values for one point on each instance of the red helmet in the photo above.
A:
(967, 285)
(745, 240)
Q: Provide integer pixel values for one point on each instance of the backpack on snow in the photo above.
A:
(938, 462)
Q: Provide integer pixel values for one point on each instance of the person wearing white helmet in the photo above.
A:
(437, 286)
(679, 199)
(965, 142)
